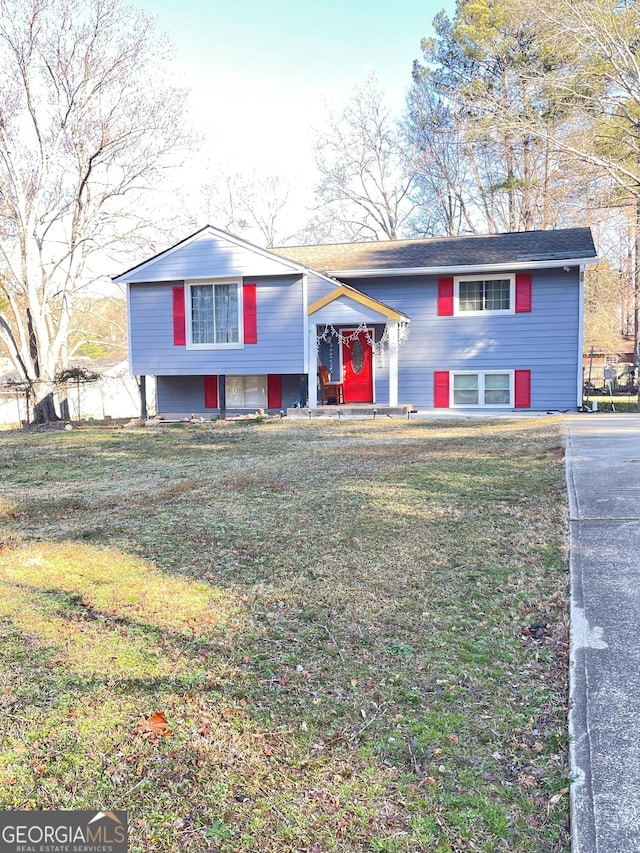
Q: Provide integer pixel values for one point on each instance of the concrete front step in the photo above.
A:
(361, 410)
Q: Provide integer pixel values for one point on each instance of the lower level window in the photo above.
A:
(487, 388)
(246, 392)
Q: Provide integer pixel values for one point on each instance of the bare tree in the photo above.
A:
(602, 86)
(98, 328)
(605, 295)
(435, 153)
(87, 124)
(363, 193)
(603, 89)
(248, 203)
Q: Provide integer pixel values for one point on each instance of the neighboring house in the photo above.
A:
(610, 371)
(114, 395)
(464, 322)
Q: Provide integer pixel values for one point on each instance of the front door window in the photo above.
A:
(357, 357)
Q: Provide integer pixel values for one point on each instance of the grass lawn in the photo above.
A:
(615, 403)
(290, 636)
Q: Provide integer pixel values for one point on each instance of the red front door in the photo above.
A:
(357, 369)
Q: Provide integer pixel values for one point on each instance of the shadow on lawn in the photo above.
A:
(92, 658)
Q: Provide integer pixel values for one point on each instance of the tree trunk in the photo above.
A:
(44, 410)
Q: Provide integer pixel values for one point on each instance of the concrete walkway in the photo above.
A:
(603, 476)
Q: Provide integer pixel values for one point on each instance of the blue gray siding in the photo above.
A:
(183, 396)
(317, 287)
(281, 331)
(544, 341)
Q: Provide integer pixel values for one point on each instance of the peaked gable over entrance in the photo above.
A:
(350, 293)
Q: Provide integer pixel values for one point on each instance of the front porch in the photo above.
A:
(355, 340)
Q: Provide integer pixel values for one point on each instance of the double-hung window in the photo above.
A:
(213, 313)
(484, 295)
(484, 388)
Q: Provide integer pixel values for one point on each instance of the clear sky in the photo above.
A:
(260, 71)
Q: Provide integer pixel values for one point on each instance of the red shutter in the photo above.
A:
(522, 391)
(179, 325)
(445, 297)
(250, 314)
(523, 292)
(274, 391)
(441, 389)
(211, 392)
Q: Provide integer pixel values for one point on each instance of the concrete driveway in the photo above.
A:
(603, 476)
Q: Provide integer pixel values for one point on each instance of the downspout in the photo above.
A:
(580, 383)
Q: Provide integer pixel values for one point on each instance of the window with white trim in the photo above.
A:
(246, 392)
(213, 314)
(482, 388)
(473, 295)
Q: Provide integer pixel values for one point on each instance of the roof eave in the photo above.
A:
(462, 269)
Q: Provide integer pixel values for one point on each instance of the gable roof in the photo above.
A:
(177, 263)
(344, 290)
(437, 254)
(181, 262)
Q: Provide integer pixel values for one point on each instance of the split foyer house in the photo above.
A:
(471, 322)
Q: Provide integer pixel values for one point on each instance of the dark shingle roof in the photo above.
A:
(434, 252)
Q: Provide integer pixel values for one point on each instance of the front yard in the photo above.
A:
(290, 636)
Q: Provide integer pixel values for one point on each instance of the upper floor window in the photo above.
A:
(213, 313)
(484, 295)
